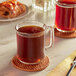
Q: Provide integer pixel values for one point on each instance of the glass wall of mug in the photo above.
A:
(45, 5)
(65, 20)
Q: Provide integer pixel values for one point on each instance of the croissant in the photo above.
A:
(11, 9)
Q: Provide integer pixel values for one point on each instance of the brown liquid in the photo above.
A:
(66, 16)
(30, 49)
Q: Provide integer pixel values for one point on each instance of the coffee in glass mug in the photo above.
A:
(65, 20)
(31, 41)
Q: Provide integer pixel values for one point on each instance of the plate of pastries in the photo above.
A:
(12, 10)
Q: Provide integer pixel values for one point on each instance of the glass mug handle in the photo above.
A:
(50, 30)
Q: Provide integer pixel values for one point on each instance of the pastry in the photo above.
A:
(11, 9)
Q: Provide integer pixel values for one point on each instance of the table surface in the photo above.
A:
(61, 49)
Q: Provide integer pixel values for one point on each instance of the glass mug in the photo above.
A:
(31, 41)
(65, 20)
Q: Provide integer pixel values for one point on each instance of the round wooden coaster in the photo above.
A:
(31, 68)
(64, 34)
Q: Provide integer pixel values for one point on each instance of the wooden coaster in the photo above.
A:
(64, 35)
(31, 68)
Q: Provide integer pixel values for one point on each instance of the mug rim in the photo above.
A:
(62, 4)
(29, 34)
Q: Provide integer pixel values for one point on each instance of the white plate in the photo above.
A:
(18, 17)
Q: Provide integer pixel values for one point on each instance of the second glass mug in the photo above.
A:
(65, 20)
(31, 45)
